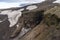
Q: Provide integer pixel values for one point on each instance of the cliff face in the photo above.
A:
(48, 28)
(32, 22)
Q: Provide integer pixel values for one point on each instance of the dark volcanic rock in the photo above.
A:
(32, 18)
(4, 26)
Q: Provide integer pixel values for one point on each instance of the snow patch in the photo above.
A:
(23, 31)
(57, 1)
(1, 21)
(31, 7)
(13, 16)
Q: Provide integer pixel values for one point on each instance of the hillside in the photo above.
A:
(48, 28)
(40, 21)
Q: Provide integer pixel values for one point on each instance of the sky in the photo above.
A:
(15, 3)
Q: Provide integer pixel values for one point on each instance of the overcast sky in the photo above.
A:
(15, 3)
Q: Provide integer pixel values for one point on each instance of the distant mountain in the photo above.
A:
(25, 4)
